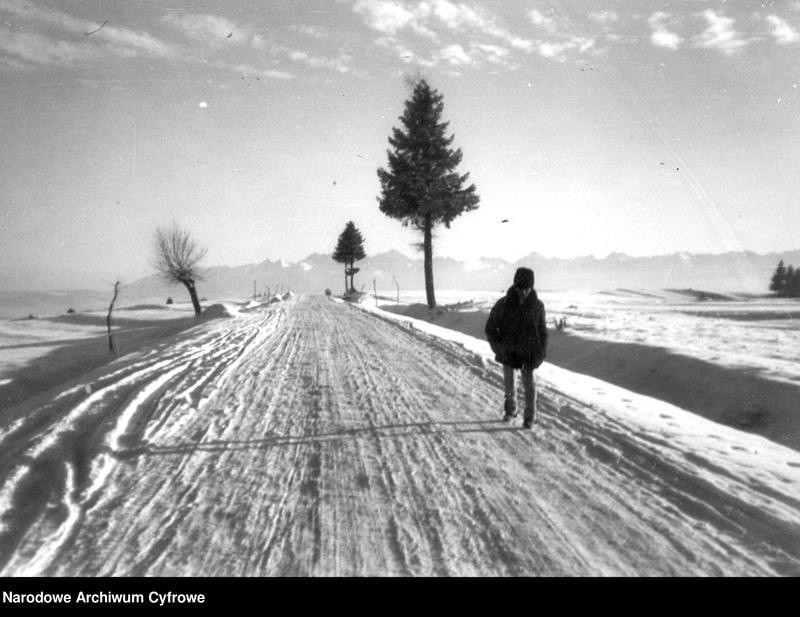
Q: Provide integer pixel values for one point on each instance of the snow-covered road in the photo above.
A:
(310, 437)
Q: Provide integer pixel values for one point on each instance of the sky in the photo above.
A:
(636, 126)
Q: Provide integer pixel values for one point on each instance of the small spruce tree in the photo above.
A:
(349, 249)
(778, 283)
(421, 187)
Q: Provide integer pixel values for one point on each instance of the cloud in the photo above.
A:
(720, 34)
(665, 38)
(340, 64)
(459, 17)
(493, 53)
(14, 64)
(390, 17)
(545, 23)
(209, 28)
(316, 32)
(661, 37)
(453, 55)
(557, 51)
(221, 31)
(247, 70)
(32, 47)
(783, 32)
(41, 50)
(604, 17)
(122, 41)
(403, 53)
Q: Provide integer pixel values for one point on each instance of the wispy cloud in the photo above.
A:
(41, 50)
(557, 50)
(340, 64)
(390, 17)
(475, 22)
(403, 52)
(783, 32)
(559, 41)
(63, 41)
(247, 70)
(720, 34)
(604, 17)
(661, 36)
(433, 18)
(547, 24)
(493, 53)
(14, 64)
(454, 55)
(211, 29)
(218, 31)
(120, 41)
(316, 32)
(484, 38)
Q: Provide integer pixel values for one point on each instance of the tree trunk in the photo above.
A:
(345, 278)
(108, 317)
(428, 249)
(193, 296)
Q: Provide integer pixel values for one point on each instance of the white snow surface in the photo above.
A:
(753, 333)
(317, 437)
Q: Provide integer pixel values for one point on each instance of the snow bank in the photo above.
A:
(725, 406)
(216, 311)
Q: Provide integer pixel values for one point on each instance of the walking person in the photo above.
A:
(517, 334)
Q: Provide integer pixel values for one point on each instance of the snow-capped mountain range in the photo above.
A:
(740, 272)
(743, 272)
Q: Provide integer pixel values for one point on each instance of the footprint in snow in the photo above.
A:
(793, 464)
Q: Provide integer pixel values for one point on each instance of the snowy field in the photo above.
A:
(38, 354)
(756, 334)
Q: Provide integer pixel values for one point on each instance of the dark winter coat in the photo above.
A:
(516, 331)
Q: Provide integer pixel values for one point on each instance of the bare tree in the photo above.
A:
(108, 317)
(177, 256)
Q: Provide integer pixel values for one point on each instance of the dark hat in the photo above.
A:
(523, 278)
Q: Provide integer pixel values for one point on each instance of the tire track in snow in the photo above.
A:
(78, 438)
(311, 438)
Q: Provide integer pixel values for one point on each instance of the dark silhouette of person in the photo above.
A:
(517, 333)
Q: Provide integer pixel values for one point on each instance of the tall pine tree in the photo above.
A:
(349, 249)
(421, 187)
(778, 283)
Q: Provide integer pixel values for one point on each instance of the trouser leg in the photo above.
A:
(508, 379)
(531, 412)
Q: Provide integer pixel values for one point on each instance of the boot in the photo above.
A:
(510, 408)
